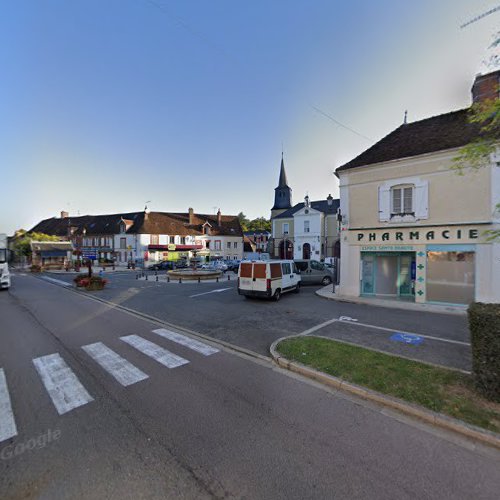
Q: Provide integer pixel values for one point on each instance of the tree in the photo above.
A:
(243, 221)
(259, 224)
(23, 245)
(477, 154)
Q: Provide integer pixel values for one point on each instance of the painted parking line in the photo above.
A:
(8, 427)
(193, 344)
(166, 358)
(56, 281)
(319, 327)
(63, 386)
(122, 370)
(392, 330)
(211, 291)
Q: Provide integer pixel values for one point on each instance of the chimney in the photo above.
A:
(219, 218)
(486, 87)
(64, 215)
(191, 216)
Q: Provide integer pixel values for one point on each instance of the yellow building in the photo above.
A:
(413, 229)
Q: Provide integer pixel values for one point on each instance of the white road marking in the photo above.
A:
(154, 351)
(318, 327)
(62, 384)
(193, 344)
(123, 371)
(8, 427)
(347, 318)
(393, 330)
(211, 291)
(54, 280)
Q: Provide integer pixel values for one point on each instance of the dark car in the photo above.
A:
(165, 265)
(232, 265)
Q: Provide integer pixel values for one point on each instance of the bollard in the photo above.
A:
(168, 279)
(180, 280)
(146, 277)
(228, 277)
(136, 276)
(156, 273)
(217, 279)
(156, 277)
(199, 279)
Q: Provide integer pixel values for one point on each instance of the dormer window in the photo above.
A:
(402, 200)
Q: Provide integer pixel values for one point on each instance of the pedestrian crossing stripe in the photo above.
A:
(193, 344)
(63, 386)
(8, 427)
(166, 358)
(122, 370)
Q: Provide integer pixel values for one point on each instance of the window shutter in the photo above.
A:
(384, 203)
(422, 200)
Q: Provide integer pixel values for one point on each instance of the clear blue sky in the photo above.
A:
(106, 104)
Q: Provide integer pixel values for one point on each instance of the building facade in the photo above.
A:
(149, 237)
(307, 230)
(413, 229)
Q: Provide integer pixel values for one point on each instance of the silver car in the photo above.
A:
(313, 272)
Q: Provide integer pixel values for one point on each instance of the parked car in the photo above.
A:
(268, 278)
(165, 265)
(313, 272)
(219, 265)
(232, 265)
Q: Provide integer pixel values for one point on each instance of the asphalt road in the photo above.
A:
(223, 425)
(216, 310)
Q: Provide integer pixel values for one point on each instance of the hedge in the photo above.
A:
(484, 325)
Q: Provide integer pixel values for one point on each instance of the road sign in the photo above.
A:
(89, 253)
(407, 338)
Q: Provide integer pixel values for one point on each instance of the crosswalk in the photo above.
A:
(67, 392)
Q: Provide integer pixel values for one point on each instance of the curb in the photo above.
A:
(428, 416)
(411, 306)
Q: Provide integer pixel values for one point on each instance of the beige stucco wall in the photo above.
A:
(452, 198)
(278, 228)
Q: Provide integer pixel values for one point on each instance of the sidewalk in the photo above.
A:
(327, 293)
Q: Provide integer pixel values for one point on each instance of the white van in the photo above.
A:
(257, 278)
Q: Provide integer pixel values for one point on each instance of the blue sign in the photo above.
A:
(89, 253)
(407, 338)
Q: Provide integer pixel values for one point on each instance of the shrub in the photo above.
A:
(81, 279)
(95, 283)
(35, 268)
(484, 325)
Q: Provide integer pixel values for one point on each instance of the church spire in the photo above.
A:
(283, 181)
(282, 193)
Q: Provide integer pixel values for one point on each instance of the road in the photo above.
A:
(199, 421)
(216, 310)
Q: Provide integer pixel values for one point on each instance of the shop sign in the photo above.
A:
(418, 235)
(171, 247)
(388, 248)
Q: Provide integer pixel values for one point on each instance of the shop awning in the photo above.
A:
(53, 253)
(178, 248)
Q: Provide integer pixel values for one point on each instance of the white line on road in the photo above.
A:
(8, 427)
(318, 327)
(393, 330)
(62, 384)
(123, 371)
(154, 351)
(211, 291)
(54, 280)
(193, 344)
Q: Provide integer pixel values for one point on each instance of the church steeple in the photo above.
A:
(282, 193)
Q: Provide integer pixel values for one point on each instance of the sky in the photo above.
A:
(106, 105)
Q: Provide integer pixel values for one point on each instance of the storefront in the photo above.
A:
(442, 265)
(388, 274)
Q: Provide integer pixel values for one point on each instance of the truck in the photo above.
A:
(4, 265)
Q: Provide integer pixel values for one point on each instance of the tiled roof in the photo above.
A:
(320, 205)
(141, 223)
(446, 131)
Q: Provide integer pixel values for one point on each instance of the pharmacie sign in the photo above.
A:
(445, 234)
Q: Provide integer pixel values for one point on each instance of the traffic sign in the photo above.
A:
(89, 253)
